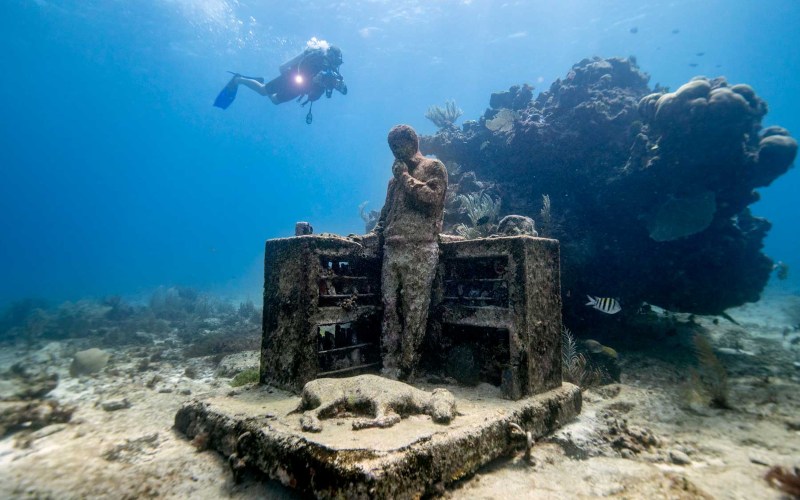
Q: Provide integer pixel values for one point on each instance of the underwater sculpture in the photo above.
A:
(408, 228)
(649, 189)
(495, 320)
(386, 401)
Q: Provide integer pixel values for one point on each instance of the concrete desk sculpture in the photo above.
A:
(451, 343)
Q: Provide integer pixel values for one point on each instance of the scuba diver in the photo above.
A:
(310, 74)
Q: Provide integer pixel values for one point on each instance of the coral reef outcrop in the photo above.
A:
(648, 190)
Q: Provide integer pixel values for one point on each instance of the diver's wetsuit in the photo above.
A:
(309, 74)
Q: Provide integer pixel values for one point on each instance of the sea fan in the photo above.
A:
(480, 208)
(575, 368)
(573, 363)
(467, 232)
(544, 213)
(712, 373)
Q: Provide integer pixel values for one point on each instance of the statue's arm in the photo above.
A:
(381, 225)
(430, 192)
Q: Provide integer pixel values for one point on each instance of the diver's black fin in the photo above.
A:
(227, 95)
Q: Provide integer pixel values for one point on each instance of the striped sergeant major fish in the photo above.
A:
(604, 304)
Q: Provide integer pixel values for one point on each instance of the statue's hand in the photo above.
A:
(399, 168)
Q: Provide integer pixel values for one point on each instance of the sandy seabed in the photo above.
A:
(651, 436)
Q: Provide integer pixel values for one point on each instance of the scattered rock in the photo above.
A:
(608, 391)
(634, 438)
(32, 415)
(621, 406)
(131, 449)
(151, 384)
(116, 404)
(48, 431)
(679, 458)
(190, 372)
(25, 381)
(793, 425)
(580, 440)
(25, 440)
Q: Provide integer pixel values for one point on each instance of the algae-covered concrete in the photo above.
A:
(309, 282)
(322, 314)
(509, 287)
(260, 428)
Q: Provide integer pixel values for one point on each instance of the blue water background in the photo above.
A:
(119, 176)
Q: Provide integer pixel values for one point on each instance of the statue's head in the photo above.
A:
(403, 142)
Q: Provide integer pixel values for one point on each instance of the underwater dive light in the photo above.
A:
(298, 79)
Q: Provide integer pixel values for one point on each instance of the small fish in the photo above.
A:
(596, 347)
(694, 65)
(700, 54)
(604, 304)
(634, 30)
(728, 317)
(676, 31)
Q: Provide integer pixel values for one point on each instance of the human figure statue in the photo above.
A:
(408, 229)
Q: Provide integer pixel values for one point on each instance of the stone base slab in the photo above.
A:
(411, 459)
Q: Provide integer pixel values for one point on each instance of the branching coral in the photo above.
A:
(444, 117)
